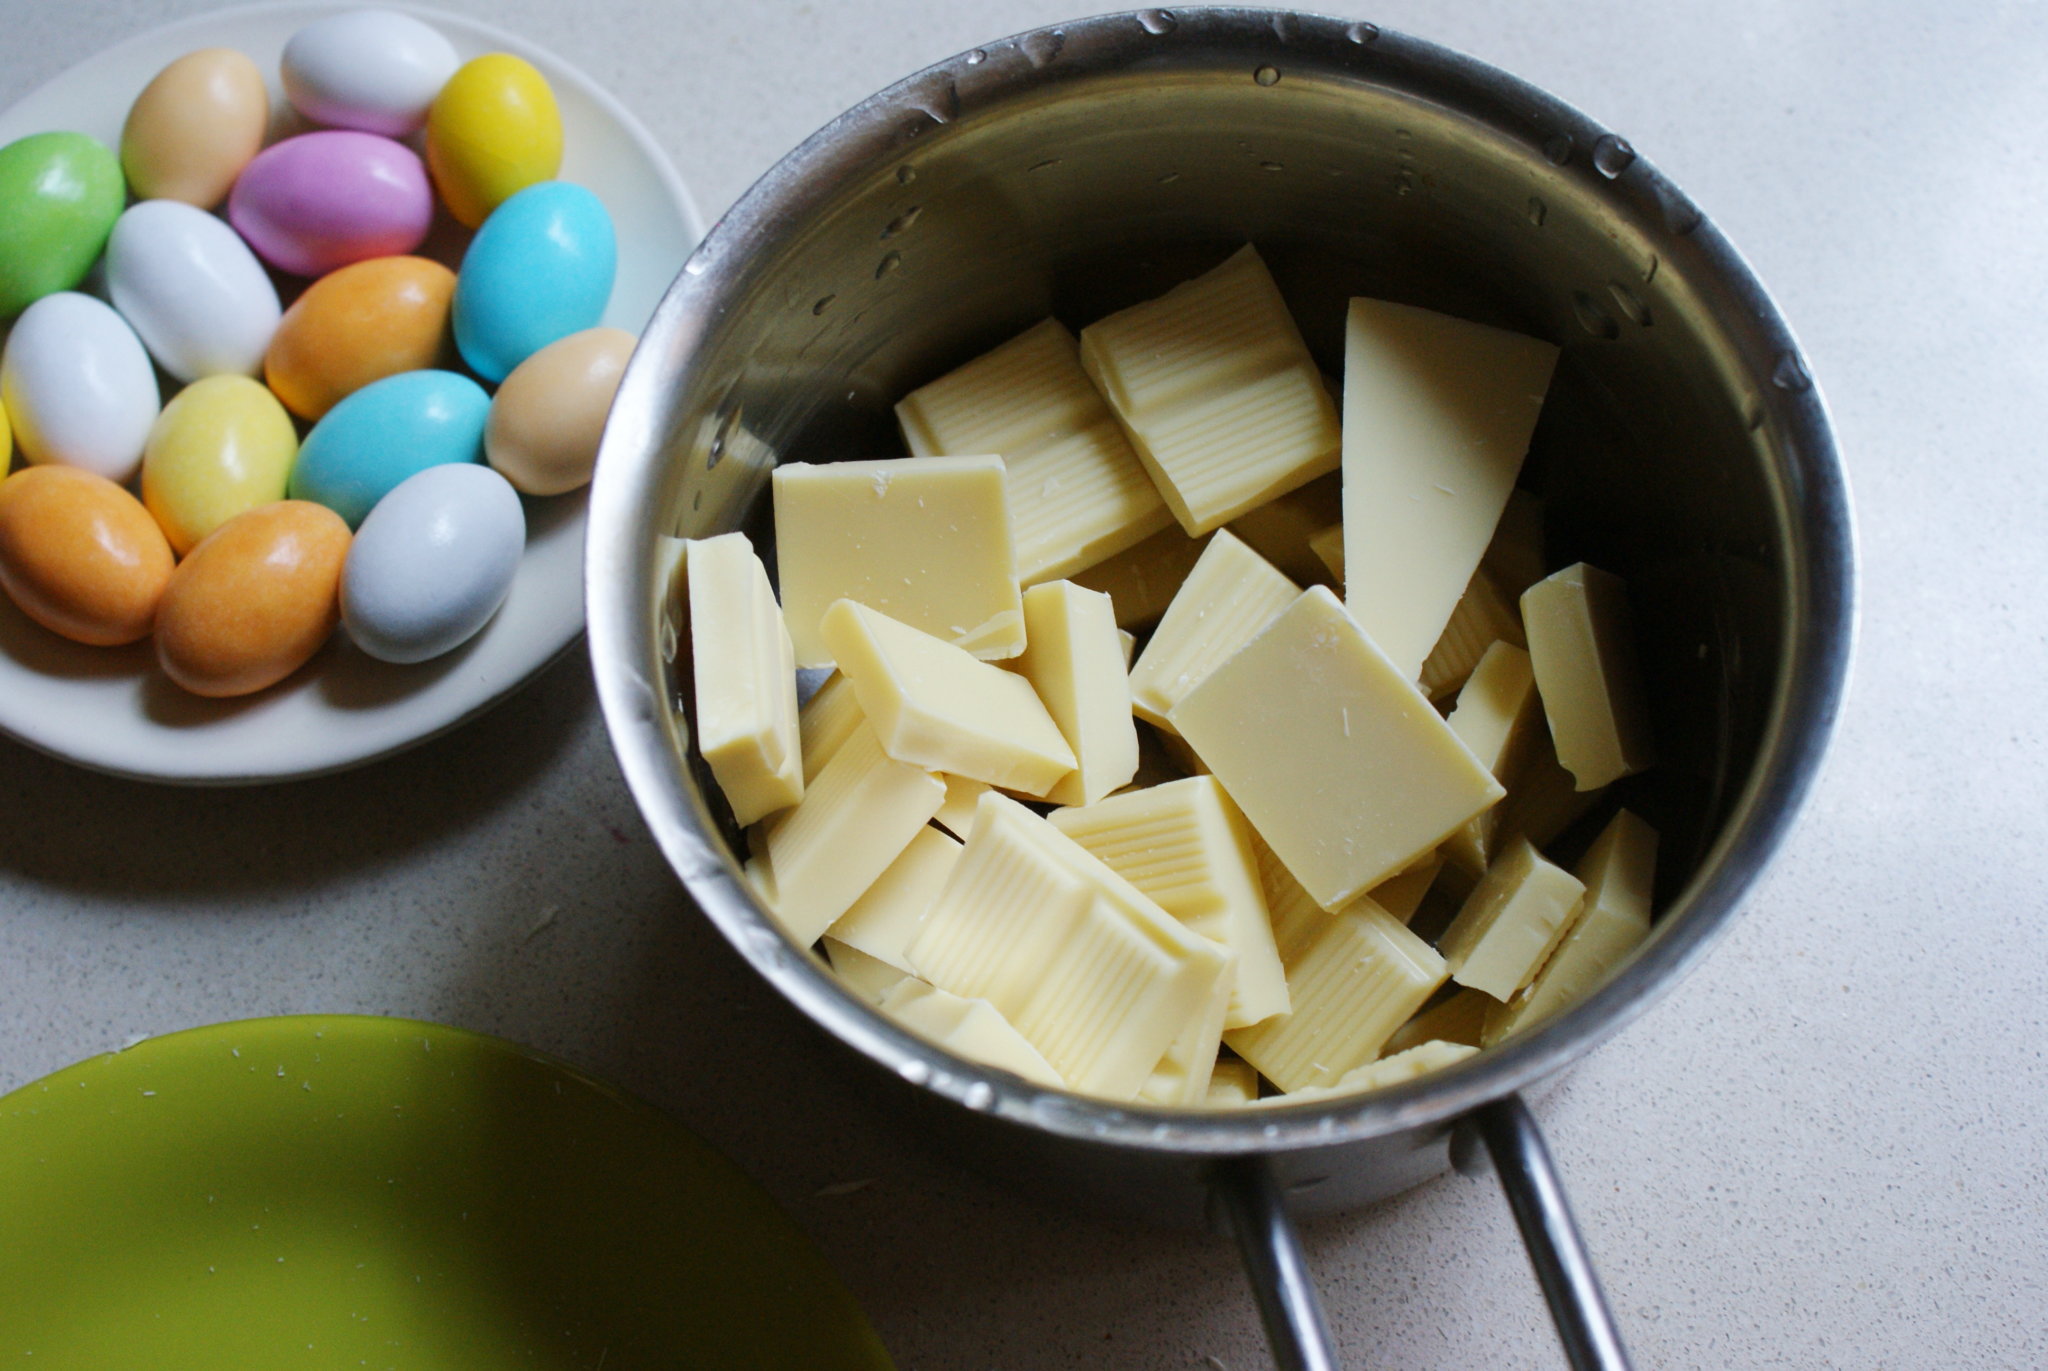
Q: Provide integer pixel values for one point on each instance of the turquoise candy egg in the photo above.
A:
(539, 269)
(59, 196)
(389, 430)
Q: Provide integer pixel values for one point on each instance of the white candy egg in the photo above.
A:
(374, 70)
(78, 386)
(432, 562)
(191, 288)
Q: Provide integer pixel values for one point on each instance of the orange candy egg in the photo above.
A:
(255, 600)
(360, 324)
(80, 555)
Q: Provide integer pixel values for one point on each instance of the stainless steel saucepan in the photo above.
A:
(1075, 170)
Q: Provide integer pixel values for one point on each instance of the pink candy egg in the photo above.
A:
(323, 200)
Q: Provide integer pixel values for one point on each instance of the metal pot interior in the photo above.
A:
(1079, 170)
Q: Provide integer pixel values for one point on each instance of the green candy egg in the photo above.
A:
(59, 196)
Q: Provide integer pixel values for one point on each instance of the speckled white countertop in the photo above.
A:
(1824, 1150)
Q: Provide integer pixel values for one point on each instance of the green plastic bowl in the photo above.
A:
(344, 1192)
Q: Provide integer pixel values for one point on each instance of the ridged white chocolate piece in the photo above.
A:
(1231, 595)
(925, 540)
(1354, 977)
(1418, 1060)
(1075, 662)
(1185, 845)
(1218, 392)
(826, 721)
(1585, 661)
(1401, 894)
(1513, 919)
(1335, 757)
(853, 821)
(1497, 716)
(885, 919)
(871, 978)
(1095, 975)
(956, 815)
(1619, 871)
(1231, 1083)
(1437, 417)
(745, 678)
(974, 1029)
(1078, 493)
(1484, 615)
(934, 705)
(1141, 581)
(1181, 1080)
(1283, 529)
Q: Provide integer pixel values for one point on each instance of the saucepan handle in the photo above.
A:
(1506, 1133)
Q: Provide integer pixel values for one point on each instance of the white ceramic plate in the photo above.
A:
(110, 709)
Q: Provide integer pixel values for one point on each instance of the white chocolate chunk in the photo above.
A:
(1484, 615)
(1353, 978)
(1512, 920)
(1497, 716)
(1328, 545)
(826, 721)
(1217, 391)
(956, 815)
(871, 978)
(1437, 417)
(1181, 1080)
(1415, 1061)
(1459, 1018)
(745, 678)
(1231, 594)
(1282, 530)
(1401, 894)
(1078, 493)
(933, 705)
(1231, 1083)
(1141, 581)
(1075, 663)
(1585, 661)
(1128, 643)
(974, 1029)
(925, 540)
(884, 920)
(1619, 870)
(1096, 976)
(1337, 760)
(855, 820)
(1185, 845)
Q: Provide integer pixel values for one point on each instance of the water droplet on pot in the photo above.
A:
(903, 222)
(1650, 270)
(1681, 215)
(1630, 304)
(1286, 27)
(890, 261)
(1169, 178)
(1267, 76)
(1593, 318)
(1791, 373)
(696, 266)
(1558, 150)
(1538, 211)
(914, 1071)
(1753, 413)
(1157, 21)
(1272, 166)
(1043, 47)
(1042, 166)
(979, 1095)
(905, 174)
(1612, 155)
(824, 303)
(1362, 34)
(976, 58)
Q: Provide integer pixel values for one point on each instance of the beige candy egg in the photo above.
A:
(194, 128)
(549, 414)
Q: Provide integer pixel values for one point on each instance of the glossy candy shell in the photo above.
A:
(374, 70)
(540, 269)
(191, 289)
(548, 416)
(494, 130)
(60, 194)
(78, 386)
(80, 555)
(384, 433)
(254, 601)
(194, 127)
(432, 563)
(360, 324)
(221, 447)
(322, 200)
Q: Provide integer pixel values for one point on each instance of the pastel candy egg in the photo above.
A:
(432, 563)
(191, 289)
(539, 269)
(78, 386)
(548, 416)
(384, 433)
(494, 130)
(222, 445)
(322, 200)
(360, 324)
(59, 196)
(374, 70)
(6, 441)
(194, 127)
(255, 600)
(80, 555)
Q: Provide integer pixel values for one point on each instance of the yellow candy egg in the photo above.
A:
(222, 445)
(253, 601)
(80, 555)
(494, 129)
(547, 417)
